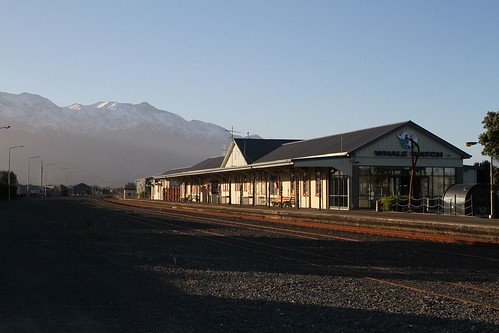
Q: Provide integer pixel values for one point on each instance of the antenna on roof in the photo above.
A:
(231, 131)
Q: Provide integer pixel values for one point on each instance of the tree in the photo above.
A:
(483, 172)
(4, 187)
(490, 138)
(4, 178)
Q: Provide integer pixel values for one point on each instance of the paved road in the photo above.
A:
(71, 268)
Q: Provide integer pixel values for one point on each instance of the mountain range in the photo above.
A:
(106, 143)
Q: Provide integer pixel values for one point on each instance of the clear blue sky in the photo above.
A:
(281, 69)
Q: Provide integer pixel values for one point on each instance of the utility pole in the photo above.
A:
(27, 185)
(10, 148)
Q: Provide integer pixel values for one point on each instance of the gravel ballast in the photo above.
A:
(70, 267)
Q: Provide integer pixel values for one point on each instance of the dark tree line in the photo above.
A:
(490, 143)
(4, 185)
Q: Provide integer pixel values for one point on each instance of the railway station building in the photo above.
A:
(343, 171)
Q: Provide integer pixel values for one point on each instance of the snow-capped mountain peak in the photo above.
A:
(35, 113)
(115, 142)
(75, 106)
(101, 105)
(107, 105)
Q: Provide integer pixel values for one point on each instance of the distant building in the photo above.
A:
(82, 189)
(130, 191)
(143, 186)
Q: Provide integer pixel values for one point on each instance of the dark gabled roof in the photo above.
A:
(209, 163)
(343, 143)
(275, 150)
(169, 172)
(254, 149)
(338, 143)
(81, 186)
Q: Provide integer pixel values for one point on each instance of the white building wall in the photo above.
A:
(157, 186)
(235, 157)
(129, 194)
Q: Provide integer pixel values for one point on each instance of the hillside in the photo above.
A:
(106, 143)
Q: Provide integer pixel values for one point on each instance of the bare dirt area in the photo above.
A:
(74, 266)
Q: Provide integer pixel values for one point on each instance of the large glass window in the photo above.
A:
(438, 180)
(364, 187)
(381, 181)
(338, 196)
(450, 177)
(305, 184)
(274, 187)
(377, 182)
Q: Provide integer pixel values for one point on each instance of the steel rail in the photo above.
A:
(324, 226)
(452, 239)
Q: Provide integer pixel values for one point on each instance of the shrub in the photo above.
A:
(388, 204)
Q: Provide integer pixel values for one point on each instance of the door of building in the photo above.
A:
(338, 190)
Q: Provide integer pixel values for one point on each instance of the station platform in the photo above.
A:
(429, 223)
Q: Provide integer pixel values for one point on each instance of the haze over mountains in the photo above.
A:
(106, 143)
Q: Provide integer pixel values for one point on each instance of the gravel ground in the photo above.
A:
(68, 268)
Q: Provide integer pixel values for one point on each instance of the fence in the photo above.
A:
(437, 205)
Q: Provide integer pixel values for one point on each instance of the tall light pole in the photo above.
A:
(491, 216)
(46, 172)
(60, 175)
(41, 176)
(27, 185)
(69, 173)
(10, 148)
(60, 181)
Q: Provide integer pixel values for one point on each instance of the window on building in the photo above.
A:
(274, 185)
(377, 182)
(338, 192)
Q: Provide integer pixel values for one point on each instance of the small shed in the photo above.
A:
(467, 199)
(129, 191)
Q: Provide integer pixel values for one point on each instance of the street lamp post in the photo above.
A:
(10, 148)
(491, 216)
(68, 182)
(27, 185)
(60, 175)
(46, 172)
(60, 180)
(41, 176)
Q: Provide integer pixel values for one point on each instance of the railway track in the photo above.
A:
(350, 228)
(390, 273)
